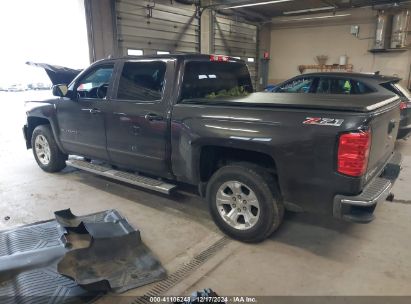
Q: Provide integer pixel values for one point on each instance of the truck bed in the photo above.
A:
(353, 103)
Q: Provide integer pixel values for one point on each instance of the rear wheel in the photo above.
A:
(244, 202)
(45, 150)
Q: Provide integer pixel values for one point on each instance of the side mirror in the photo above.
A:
(60, 90)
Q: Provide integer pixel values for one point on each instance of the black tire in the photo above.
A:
(271, 209)
(57, 159)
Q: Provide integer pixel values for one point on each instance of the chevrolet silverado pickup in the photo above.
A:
(161, 121)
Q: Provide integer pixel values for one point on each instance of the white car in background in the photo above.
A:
(16, 88)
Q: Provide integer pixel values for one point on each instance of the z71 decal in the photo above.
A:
(334, 122)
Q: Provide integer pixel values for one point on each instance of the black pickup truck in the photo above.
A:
(163, 120)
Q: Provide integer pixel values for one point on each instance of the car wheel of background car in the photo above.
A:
(244, 202)
(45, 150)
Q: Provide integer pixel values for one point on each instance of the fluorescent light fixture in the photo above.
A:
(258, 3)
(163, 52)
(250, 59)
(310, 10)
(132, 52)
(314, 18)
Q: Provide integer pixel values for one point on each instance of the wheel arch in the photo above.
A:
(213, 157)
(35, 121)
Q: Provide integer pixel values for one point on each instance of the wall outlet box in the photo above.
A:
(355, 30)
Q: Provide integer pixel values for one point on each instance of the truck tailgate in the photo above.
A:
(384, 127)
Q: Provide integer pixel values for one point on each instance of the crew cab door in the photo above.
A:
(137, 128)
(81, 119)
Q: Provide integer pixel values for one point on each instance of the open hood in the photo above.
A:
(56, 73)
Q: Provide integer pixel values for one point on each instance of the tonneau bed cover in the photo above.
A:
(353, 103)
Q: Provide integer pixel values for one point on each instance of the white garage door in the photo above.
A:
(237, 39)
(148, 27)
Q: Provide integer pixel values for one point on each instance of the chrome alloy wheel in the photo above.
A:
(42, 149)
(238, 205)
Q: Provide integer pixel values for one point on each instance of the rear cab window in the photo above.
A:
(208, 79)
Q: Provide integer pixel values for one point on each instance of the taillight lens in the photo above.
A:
(403, 105)
(353, 152)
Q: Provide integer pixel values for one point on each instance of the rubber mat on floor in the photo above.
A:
(117, 260)
(30, 255)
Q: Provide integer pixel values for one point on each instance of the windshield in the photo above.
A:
(215, 79)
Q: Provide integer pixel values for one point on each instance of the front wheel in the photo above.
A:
(45, 150)
(244, 202)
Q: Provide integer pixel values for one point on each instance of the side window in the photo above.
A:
(361, 88)
(95, 84)
(142, 81)
(334, 86)
(299, 85)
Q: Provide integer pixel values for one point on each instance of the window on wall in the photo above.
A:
(142, 81)
(133, 52)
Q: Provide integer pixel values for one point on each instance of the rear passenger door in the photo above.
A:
(136, 121)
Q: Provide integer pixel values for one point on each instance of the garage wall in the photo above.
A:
(236, 38)
(165, 27)
(294, 46)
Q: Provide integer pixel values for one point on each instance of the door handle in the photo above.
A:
(92, 111)
(152, 117)
(95, 111)
(119, 113)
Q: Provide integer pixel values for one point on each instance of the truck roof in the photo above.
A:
(193, 56)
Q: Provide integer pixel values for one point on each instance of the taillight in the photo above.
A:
(404, 105)
(219, 58)
(353, 152)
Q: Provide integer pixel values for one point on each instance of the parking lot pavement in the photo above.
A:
(309, 255)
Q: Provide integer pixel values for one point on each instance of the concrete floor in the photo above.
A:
(309, 255)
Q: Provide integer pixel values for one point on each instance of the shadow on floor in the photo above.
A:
(185, 204)
(321, 235)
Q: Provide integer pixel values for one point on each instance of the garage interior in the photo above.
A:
(310, 255)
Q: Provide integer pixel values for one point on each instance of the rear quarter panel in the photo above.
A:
(305, 155)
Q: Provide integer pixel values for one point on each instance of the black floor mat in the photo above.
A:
(29, 256)
(116, 258)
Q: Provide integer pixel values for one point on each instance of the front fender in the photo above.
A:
(40, 113)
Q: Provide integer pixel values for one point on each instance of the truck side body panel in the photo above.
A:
(304, 154)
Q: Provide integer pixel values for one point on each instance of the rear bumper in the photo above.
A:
(360, 208)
